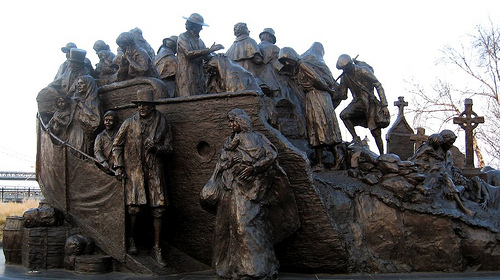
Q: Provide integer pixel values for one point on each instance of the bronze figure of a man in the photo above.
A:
(365, 109)
(134, 61)
(191, 52)
(137, 148)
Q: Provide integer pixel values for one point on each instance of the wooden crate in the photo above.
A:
(43, 247)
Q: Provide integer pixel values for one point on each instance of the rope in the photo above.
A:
(47, 130)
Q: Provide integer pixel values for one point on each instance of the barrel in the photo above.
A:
(13, 239)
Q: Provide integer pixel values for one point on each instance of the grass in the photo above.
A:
(14, 209)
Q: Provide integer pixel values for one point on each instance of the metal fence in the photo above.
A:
(18, 194)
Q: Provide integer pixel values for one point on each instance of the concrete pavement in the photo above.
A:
(19, 272)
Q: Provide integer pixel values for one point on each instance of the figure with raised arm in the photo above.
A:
(135, 61)
(191, 55)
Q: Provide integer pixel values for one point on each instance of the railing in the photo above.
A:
(16, 175)
(18, 194)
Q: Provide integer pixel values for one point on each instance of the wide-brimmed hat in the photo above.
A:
(196, 18)
(145, 96)
(269, 31)
(68, 47)
(77, 55)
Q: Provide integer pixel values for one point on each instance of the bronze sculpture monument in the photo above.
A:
(244, 49)
(263, 210)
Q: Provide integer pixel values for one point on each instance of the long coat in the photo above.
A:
(145, 183)
(85, 117)
(103, 147)
(166, 64)
(242, 51)
(252, 214)
(190, 79)
(321, 120)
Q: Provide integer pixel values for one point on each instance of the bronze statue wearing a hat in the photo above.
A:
(196, 19)
(144, 186)
(191, 52)
(67, 50)
(166, 63)
(268, 32)
(77, 55)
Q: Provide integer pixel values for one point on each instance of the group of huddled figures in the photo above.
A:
(282, 76)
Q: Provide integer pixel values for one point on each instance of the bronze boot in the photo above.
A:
(157, 256)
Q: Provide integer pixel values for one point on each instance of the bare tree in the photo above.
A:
(478, 61)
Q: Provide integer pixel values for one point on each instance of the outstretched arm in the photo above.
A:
(183, 47)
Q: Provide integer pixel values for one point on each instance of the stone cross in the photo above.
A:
(468, 121)
(398, 136)
(419, 138)
(401, 104)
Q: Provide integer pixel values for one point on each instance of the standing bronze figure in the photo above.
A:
(103, 146)
(67, 51)
(106, 68)
(247, 182)
(365, 109)
(166, 63)
(244, 49)
(85, 115)
(312, 74)
(74, 67)
(137, 148)
(269, 70)
(191, 53)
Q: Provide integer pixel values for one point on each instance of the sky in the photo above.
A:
(400, 39)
